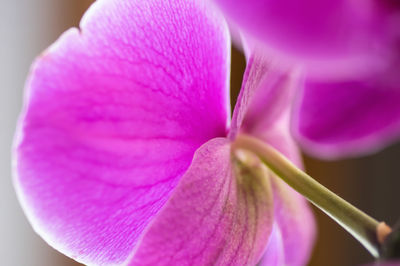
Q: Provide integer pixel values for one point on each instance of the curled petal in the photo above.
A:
(219, 214)
(350, 117)
(113, 115)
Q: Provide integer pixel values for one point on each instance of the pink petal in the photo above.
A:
(265, 102)
(274, 254)
(295, 222)
(214, 217)
(267, 93)
(350, 117)
(114, 113)
(263, 111)
(294, 229)
(293, 217)
(317, 33)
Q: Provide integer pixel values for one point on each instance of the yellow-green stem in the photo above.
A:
(356, 222)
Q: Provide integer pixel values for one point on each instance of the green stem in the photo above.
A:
(356, 222)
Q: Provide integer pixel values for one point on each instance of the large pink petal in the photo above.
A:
(214, 217)
(263, 111)
(321, 34)
(350, 117)
(114, 113)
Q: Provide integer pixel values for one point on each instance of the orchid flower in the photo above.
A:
(123, 154)
(349, 104)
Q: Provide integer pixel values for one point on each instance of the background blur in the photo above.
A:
(29, 26)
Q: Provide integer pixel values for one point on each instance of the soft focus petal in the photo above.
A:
(267, 92)
(274, 254)
(265, 102)
(318, 33)
(263, 111)
(293, 233)
(295, 222)
(214, 217)
(348, 118)
(113, 115)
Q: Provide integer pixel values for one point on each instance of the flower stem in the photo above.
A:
(364, 228)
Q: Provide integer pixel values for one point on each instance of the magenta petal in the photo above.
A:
(295, 222)
(347, 118)
(265, 103)
(267, 94)
(313, 31)
(263, 111)
(307, 26)
(274, 254)
(294, 229)
(113, 115)
(214, 217)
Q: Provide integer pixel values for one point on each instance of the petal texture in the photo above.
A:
(263, 111)
(350, 117)
(315, 32)
(214, 217)
(114, 113)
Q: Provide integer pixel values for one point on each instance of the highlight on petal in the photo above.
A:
(219, 214)
(349, 117)
(320, 34)
(274, 254)
(113, 115)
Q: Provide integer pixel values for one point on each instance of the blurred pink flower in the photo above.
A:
(317, 31)
(350, 103)
(123, 149)
(338, 118)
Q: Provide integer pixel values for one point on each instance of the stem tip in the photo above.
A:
(382, 231)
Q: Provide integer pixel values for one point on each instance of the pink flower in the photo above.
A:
(350, 103)
(315, 31)
(123, 151)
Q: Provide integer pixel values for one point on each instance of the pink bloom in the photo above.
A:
(348, 117)
(123, 149)
(314, 31)
(350, 103)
